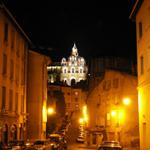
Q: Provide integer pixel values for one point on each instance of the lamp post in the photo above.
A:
(118, 116)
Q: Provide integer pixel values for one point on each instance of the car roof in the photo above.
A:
(110, 144)
(55, 135)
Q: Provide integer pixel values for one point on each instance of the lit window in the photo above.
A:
(76, 93)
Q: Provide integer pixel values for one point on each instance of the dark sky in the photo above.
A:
(98, 29)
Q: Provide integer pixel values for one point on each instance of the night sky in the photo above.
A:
(98, 29)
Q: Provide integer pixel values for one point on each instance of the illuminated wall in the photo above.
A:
(106, 98)
(74, 68)
(13, 77)
(142, 13)
(37, 95)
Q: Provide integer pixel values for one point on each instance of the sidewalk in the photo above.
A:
(88, 146)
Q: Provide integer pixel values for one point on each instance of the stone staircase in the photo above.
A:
(73, 132)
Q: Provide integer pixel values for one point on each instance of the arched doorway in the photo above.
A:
(5, 134)
(13, 132)
(73, 82)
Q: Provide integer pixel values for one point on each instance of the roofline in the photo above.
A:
(2, 6)
(135, 9)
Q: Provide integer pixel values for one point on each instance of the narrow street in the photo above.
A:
(72, 134)
(76, 146)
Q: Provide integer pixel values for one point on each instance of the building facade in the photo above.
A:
(54, 71)
(141, 13)
(109, 118)
(13, 77)
(98, 65)
(37, 95)
(74, 98)
(74, 69)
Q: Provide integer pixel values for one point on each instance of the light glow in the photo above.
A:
(81, 120)
(50, 111)
(126, 101)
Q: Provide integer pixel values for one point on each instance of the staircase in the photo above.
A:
(73, 132)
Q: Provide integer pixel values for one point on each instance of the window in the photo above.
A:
(99, 100)
(18, 46)
(140, 29)
(68, 104)
(72, 70)
(4, 64)
(23, 73)
(3, 97)
(64, 70)
(106, 85)
(76, 99)
(16, 103)
(12, 38)
(17, 73)
(80, 70)
(11, 69)
(22, 103)
(115, 83)
(6, 32)
(10, 100)
(141, 65)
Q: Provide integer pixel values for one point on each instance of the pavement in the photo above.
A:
(88, 146)
(77, 146)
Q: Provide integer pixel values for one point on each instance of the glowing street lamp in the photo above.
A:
(126, 101)
(113, 113)
(81, 120)
(50, 111)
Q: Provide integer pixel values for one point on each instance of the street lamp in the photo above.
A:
(118, 116)
(126, 101)
(50, 111)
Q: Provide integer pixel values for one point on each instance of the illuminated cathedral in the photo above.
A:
(74, 69)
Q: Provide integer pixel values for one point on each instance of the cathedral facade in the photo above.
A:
(74, 69)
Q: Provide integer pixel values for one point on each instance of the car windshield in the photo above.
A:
(39, 142)
(54, 139)
(109, 148)
(16, 143)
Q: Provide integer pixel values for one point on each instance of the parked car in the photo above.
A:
(16, 145)
(57, 141)
(29, 145)
(110, 145)
(63, 143)
(42, 144)
(80, 139)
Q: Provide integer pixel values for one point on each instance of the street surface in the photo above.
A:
(79, 147)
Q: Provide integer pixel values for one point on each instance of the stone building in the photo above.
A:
(37, 95)
(109, 118)
(74, 69)
(74, 98)
(13, 77)
(140, 14)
